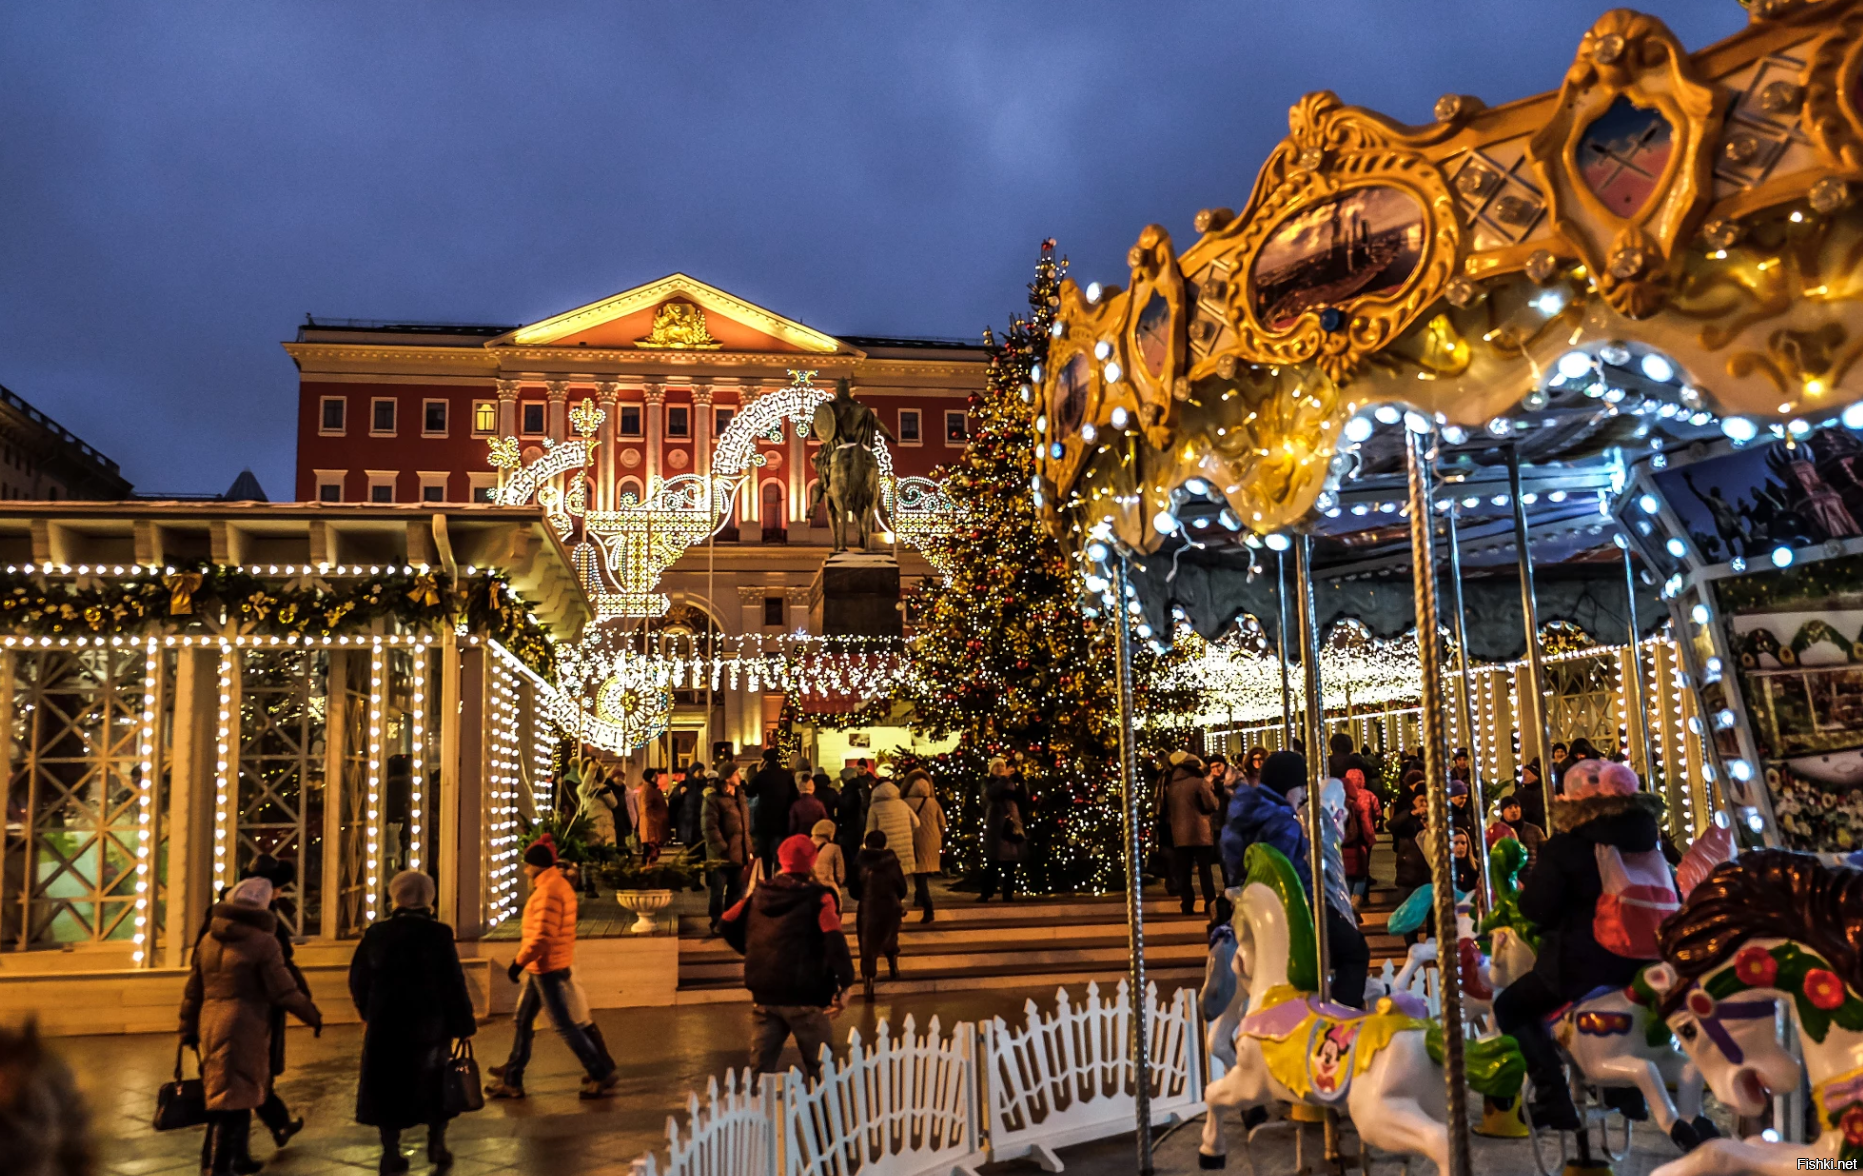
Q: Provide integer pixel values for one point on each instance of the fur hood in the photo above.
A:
(233, 920)
(1570, 814)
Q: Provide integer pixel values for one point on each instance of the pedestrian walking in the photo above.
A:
(272, 1112)
(726, 825)
(687, 802)
(238, 975)
(890, 814)
(647, 811)
(807, 810)
(546, 951)
(927, 839)
(830, 867)
(411, 992)
(882, 909)
(850, 822)
(1005, 841)
(773, 792)
(796, 962)
(1190, 802)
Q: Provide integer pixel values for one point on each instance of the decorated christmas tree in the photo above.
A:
(1004, 657)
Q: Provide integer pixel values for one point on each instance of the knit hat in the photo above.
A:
(279, 874)
(1284, 771)
(875, 840)
(1184, 759)
(1588, 778)
(252, 892)
(542, 852)
(822, 828)
(849, 775)
(1458, 788)
(411, 889)
(796, 855)
(998, 762)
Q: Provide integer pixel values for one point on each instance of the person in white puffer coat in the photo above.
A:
(891, 815)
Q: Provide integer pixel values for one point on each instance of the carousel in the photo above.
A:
(1559, 390)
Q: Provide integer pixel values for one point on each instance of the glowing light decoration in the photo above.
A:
(145, 805)
(559, 457)
(223, 772)
(502, 840)
(417, 727)
(373, 812)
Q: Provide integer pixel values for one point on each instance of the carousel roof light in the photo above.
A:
(1121, 417)
(1276, 541)
(1164, 522)
(1574, 364)
(1853, 416)
(1739, 429)
(1781, 556)
(1699, 614)
(1358, 429)
(1677, 547)
(1658, 368)
(1649, 504)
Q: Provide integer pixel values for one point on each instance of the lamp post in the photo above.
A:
(1537, 736)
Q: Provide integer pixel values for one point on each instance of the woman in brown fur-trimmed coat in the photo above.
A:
(239, 974)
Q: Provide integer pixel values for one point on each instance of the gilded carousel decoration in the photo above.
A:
(1696, 206)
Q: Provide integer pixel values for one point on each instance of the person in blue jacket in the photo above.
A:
(1262, 814)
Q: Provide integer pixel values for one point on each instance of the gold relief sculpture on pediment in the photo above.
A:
(679, 326)
(1350, 234)
(1155, 332)
(1626, 159)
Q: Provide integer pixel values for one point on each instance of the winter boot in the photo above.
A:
(437, 1155)
(594, 1033)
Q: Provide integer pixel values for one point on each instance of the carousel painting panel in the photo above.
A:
(1362, 243)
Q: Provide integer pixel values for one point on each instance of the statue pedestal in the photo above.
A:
(856, 594)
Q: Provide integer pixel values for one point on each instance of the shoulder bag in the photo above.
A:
(183, 1102)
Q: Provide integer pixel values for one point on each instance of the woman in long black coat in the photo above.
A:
(408, 986)
(882, 908)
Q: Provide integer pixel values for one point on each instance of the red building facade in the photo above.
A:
(403, 412)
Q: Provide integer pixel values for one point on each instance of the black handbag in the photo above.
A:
(463, 1092)
(183, 1102)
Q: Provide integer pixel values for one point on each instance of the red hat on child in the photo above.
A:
(542, 852)
(796, 855)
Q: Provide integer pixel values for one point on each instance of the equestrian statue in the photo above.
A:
(848, 474)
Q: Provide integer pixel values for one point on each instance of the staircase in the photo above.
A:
(1028, 943)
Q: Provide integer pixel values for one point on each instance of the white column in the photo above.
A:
(655, 395)
(507, 408)
(557, 422)
(750, 508)
(701, 427)
(798, 484)
(605, 395)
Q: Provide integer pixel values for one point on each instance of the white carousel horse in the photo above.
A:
(1291, 1048)
(1770, 925)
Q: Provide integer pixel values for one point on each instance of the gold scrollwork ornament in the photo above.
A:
(1833, 94)
(1632, 254)
(1155, 333)
(1074, 388)
(1335, 155)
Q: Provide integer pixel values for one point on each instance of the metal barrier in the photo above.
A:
(915, 1105)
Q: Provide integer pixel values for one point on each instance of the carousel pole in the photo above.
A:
(1135, 902)
(1316, 778)
(1436, 783)
(1640, 729)
(1484, 893)
(1537, 736)
(1287, 696)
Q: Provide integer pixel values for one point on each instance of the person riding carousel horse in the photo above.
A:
(848, 474)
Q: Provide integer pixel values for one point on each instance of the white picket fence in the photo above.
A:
(912, 1105)
(1068, 1078)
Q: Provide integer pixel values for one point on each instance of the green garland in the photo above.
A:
(218, 600)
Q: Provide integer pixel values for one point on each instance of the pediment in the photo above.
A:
(675, 313)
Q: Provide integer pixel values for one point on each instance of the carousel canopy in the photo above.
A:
(1655, 263)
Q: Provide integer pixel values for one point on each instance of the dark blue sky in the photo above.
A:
(180, 182)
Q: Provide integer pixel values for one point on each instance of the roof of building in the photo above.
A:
(245, 488)
(19, 403)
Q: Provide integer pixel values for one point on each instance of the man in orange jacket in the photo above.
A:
(547, 949)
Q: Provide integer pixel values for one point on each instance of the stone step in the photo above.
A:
(968, 960)
(1167, 979)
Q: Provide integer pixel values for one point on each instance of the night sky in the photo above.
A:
(180, 183)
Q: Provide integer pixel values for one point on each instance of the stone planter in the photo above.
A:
(644, 904)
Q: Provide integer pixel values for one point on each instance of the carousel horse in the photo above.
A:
(1769, 926)
(1290, 1047)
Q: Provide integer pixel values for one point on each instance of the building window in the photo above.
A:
(433, 486)
(330, 485)
(381, 485)
(630, 420)
(533, 419)
(627, 488)
(433, 418)
(909, 427)
(956, 428)
(484, 417)
(721, 420)
(333, 408)
(773, 612)
(484, 485)
(382, 417)
(678, 421)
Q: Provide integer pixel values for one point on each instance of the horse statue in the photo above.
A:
(1278, 1043)
(848, 473)
(1769, 926)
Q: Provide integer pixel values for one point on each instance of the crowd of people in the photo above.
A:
(1210, 811)
(784, 852)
